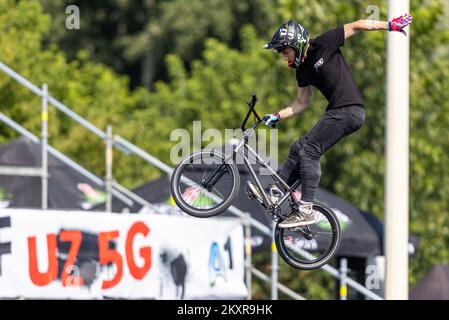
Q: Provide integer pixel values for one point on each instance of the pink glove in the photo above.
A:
(399, 23)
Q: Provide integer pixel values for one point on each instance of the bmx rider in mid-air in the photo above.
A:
(319, 63)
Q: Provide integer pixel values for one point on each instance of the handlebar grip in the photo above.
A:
(266, 118)
(253, 98)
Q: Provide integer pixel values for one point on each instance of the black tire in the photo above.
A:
(303, 263)
(175, 184)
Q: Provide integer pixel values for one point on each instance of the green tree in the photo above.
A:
(133, 36)
(91, 89)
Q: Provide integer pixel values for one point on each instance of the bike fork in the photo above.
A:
(210, 182)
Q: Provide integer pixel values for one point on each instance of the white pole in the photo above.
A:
(397, 159)
(248, 255)
(274, 266)
(343, 279)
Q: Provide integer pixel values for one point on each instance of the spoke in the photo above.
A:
(196, 173)
(189, 201)
(222, 197)
(207, 169)
(211, 196)
(197, 191)
(202, 198)
(208, 199)
(301, 243)
(323, 218)
(204, 174)
(196, 202)
(308, 244)
(320, 232)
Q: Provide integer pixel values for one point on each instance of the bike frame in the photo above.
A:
(244, 146)
(240, 148)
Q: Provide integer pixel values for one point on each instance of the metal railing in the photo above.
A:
(127, 147)
(60, 157)
(41, 171)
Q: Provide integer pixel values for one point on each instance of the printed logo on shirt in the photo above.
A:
(318, 64)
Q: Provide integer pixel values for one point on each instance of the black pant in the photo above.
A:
(304, 157)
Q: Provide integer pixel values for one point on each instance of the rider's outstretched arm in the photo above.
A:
(397, 24)
(364, 25)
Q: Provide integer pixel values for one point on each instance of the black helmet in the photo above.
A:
(290, 35)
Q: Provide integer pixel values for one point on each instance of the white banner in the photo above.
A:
(84, 255)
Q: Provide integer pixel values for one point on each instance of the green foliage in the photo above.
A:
(91, 89)
(429, 111)
(134, 36)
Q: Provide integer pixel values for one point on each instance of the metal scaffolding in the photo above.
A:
(41, 171)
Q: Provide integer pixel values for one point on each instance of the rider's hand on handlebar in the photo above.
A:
(271, 119)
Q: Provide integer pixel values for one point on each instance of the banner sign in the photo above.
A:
(92, 255)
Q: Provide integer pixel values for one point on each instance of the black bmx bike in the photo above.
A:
(206, 183)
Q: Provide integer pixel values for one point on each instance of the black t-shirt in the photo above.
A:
(326, 69)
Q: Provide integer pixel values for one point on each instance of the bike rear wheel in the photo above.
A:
(188, 184)
(312, 246)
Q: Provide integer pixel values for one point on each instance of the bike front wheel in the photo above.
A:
(312, 246)
(204, 185)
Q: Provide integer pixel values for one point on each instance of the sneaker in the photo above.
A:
(303, 217)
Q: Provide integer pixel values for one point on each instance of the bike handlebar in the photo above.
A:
(253, 98)
(251, 104)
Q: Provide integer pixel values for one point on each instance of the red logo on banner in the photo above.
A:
(136, 271)
(107, 256)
